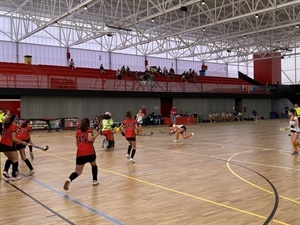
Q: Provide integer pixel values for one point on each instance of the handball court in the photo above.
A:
(229, 173)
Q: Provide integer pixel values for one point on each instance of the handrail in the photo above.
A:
(99, 83)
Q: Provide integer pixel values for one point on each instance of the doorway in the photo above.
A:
(166, 105)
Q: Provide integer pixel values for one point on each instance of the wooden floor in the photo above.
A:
(229, 173)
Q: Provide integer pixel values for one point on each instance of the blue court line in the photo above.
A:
(76, 202)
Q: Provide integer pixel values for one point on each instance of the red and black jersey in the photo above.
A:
(84, 147)
(129, 125)
(6, 135)
(23, 133)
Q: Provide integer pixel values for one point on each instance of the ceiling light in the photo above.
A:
(203, 29)
(152, 20)
(297, 26)
(85, 7)
(245, 36)
(256, 16)
(203, 2)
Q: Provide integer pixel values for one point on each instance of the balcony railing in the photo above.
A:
(98, 83)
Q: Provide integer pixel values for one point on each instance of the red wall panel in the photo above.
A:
(267, 69)
(14, 105)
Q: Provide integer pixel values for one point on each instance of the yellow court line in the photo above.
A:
(178, 192)
(270, 192)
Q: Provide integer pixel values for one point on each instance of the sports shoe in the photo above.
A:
(16, 178)
(193, 134)
(6, 175)
(67, 184)
(295, 153)
(175, 141)
(95, 182)
(131, 160)
(127, 156)
(31, 155)
(31, 172)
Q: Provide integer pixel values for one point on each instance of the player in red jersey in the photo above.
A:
(130, 127)
(23, 134)
(173, 113)
(85, 152)
(7, 146)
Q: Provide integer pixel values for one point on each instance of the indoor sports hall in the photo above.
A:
(228, 173)
(227, 70)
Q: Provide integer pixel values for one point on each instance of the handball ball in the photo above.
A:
(117, 129)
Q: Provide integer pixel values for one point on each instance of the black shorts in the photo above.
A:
(6, 148)
(183, 127)
(139, 124)
(81, 160)
(20, 146)
(131, 139)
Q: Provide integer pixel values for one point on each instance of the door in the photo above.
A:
(166, 105)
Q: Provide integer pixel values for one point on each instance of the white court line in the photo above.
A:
(259, 164)
(225, 159)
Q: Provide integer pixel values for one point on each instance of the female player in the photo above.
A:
(85, 152)
(139, 121)
(107, 126)
(294, 128)
(7, 146)
(179, 129)
(130, 126)
(23, 134)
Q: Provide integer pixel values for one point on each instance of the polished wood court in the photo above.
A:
(229, 173)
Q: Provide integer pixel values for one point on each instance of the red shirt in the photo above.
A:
(23, 133)
(84, 146)
(129, 125)
(174, 111)
(6, 135)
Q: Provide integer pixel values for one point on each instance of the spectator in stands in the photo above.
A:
(123, 70)
(183, 76)
(136, 75)
(72, 64)
(186, 114)
(119, 75)
(165, 72)
(127, 71)
(158, 70)
(102, 71)
(172, 73)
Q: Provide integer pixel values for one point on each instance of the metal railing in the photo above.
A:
(97, 83)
